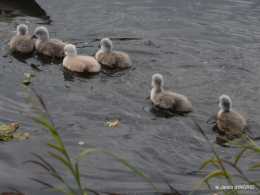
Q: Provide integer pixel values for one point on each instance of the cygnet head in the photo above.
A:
(225, 103)
(106, 44)
(157, 80)
(22, 29)
(41, 33)
(70, 50)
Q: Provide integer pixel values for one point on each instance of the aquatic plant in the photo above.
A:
(220, 164)
(60, 153)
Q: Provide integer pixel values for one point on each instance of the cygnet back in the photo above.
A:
(111, 58)
(22, 41)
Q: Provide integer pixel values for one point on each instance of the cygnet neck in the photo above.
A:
(106, 49)
(73, 53)
(22, 31)
(44, 37)
(158, 88)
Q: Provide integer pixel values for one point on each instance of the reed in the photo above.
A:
(220, 164)
(59, 152)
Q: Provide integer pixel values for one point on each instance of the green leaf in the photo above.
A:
(26, 82)
(255, 166)
(212, 174)
(63, 160)
(77, 174)
(54, 146)
(211, 160)
(86, 152)
(239, 155)
(5, 137)
(120, 160)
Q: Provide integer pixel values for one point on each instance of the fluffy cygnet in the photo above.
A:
(22, 41)
(49, 47)
(111, 58)
(167, 99)
(79, 63)
(229, 120)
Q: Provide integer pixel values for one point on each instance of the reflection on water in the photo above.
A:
(22, 57)
(13, 8)
(204, 49)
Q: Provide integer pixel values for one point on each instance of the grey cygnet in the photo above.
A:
(49, 47)
(22, 41)
(168, 99)
(229, 120)
(111, 58)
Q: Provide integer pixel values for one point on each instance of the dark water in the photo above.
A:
(202, 48)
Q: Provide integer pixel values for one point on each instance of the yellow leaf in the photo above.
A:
(26, 82)
(81, 143)
(21, 135)
(113, 123)
(28, 75)
(9, 128)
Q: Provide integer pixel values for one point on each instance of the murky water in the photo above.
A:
(202, 48)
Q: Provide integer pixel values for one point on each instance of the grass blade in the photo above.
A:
(38, 163)
(54, 146)
(63, 160)
(255, 166)
(211, 160)
(212, 174)
(239, 155)
(120, 160)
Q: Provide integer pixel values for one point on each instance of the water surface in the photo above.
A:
(203, 49)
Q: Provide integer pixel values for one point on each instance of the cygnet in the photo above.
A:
(79, 63)
(167, 99)
(49, 47)
(229, 120)
(22, 41)
(111, 58)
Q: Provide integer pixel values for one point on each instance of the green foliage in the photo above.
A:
(60, 153)
(220, 163)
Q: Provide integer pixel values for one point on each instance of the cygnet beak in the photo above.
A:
(62, 53)
(33, 37)
(99, 46)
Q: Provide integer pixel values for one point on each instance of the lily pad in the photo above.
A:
(113, 123)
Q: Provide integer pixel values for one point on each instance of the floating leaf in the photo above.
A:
(9, 128)
(4, 137)
(26, 82)
(113, 123)
(28, 75)
(81, 143)
(4, 34)
(21, 135)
